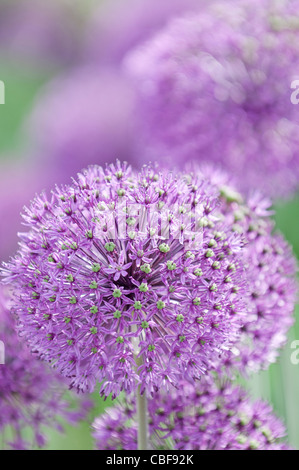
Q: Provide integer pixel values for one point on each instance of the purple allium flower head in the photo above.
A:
(32, 396)
(80, 116)
(121, 268)
(118, 27)
(208, 416)
(216, 86)
(116, 429)
(41, 32)
(271, 276)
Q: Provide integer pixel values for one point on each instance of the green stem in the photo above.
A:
(142, 420)
(142, 414)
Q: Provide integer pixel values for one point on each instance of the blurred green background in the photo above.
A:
(279, 385)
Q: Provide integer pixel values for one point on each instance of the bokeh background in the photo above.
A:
(58, 55)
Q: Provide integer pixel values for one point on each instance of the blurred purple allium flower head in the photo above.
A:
(271, 276)
(18, 184)
(39, 32)
(119, 26)
(32, 396)
(213, 415)
(80, 116)
(128, 278)
(216, 86)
